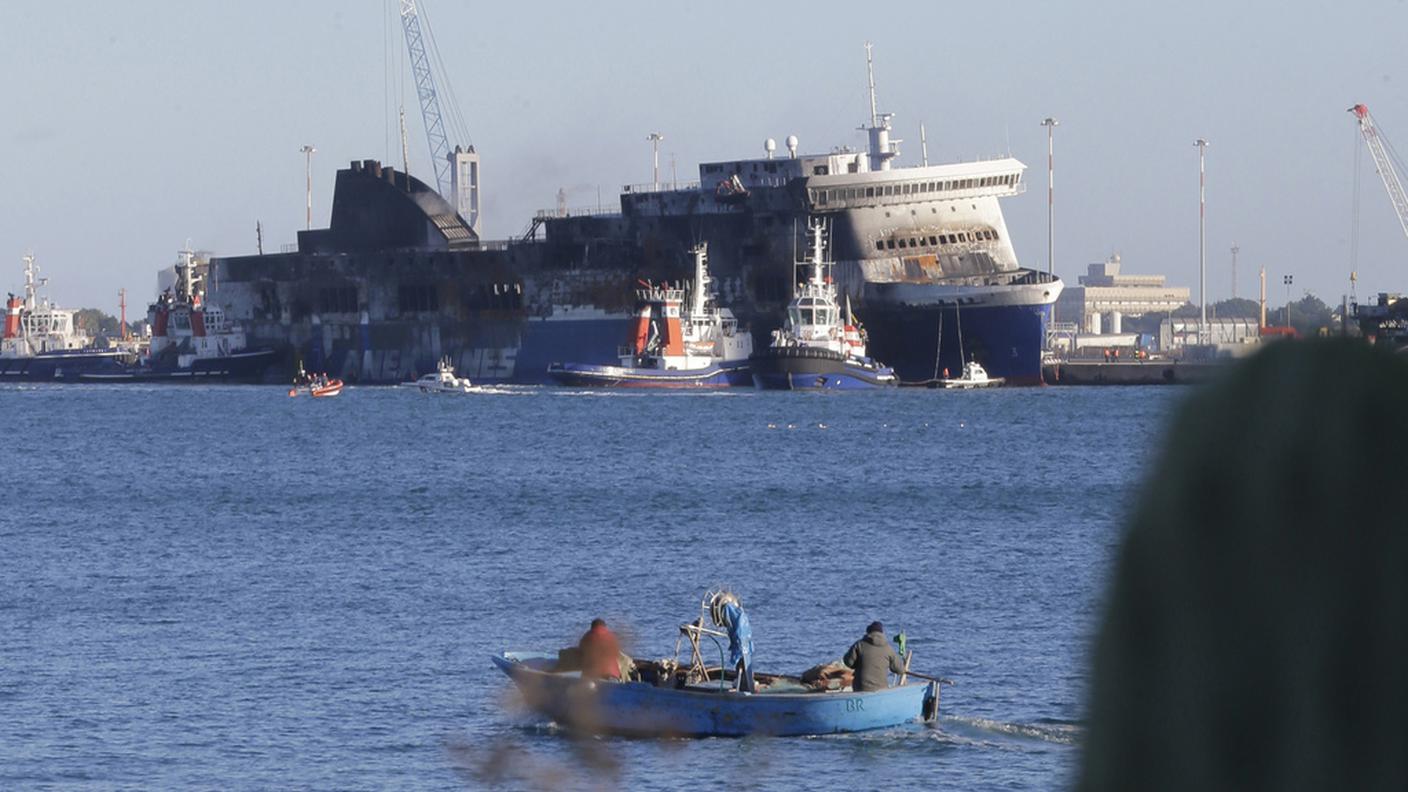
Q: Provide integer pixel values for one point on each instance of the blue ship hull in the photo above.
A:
(802, 368)
(646, 710)
(241, 367)
(1007, 340)
(589, 375)
(60, 366)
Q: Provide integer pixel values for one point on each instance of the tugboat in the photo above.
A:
(444, 380)
(192, 341)
(699, 347)
(815, 349)
(41, 341)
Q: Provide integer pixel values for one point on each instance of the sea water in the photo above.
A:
(223, 587)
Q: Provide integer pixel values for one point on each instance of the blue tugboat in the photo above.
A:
(816, 349)
(699, 346)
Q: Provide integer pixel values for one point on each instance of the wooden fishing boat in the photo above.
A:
(663, 700)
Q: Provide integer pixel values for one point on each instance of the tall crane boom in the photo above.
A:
(429, 99)
(1375, 141)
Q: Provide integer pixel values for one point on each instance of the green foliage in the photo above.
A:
(1236, 308)
(96, 323)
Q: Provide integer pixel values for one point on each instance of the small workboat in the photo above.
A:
(444, 380)
(319, 386)
(660, 701)
(974, 376)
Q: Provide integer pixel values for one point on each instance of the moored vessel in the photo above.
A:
(398, 279)
(42, 342)
(193, 340)
(679, 339)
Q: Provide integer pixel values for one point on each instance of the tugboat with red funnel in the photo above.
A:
(192, 340)
(700, 346)
(42, 342)
(815, 349)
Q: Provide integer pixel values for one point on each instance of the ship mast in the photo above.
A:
(817, 230)
(31, 287)
(870, 74)
(882, 148)
(701, 280)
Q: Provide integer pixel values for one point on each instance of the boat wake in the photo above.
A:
(1047, 730)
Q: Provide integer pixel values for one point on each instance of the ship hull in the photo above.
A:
(586, 375)
(61, 367)
(803, 368)
(241, 367)
(1006, 339)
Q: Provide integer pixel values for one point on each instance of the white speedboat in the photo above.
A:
(443, 380)
(974, 376)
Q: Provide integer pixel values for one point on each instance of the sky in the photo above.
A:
(133, 127)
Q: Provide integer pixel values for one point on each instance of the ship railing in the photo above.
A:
(655, 187)
(580, 211)
(496, 244)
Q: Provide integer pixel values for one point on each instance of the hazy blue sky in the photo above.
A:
(130, 127)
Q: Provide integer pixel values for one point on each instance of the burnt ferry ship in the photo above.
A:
(400, 280)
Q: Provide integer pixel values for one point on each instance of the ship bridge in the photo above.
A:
(999, 178)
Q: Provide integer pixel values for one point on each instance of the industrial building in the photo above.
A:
(1104, 296)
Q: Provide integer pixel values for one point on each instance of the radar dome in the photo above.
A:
(792, 145)
(769, 146)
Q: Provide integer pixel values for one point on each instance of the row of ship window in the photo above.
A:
(421, 298)
(935, 239)
(912, 188)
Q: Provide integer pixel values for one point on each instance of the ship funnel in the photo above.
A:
(792, 146)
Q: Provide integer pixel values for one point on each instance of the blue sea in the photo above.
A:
(225, 588)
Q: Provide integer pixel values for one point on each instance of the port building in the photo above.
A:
(1105, 295)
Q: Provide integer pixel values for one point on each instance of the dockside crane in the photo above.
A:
(1384, 157)
(456, 172)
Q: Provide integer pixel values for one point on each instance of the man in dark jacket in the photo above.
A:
(873, 659)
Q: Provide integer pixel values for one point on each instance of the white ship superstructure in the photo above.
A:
(183, 324)
(34, 325)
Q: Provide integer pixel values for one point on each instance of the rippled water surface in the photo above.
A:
(227, 588)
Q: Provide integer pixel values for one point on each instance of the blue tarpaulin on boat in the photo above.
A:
(740, 644)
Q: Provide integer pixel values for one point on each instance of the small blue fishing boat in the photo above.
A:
(661, 701)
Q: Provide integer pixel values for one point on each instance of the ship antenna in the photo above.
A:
(870, 75)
